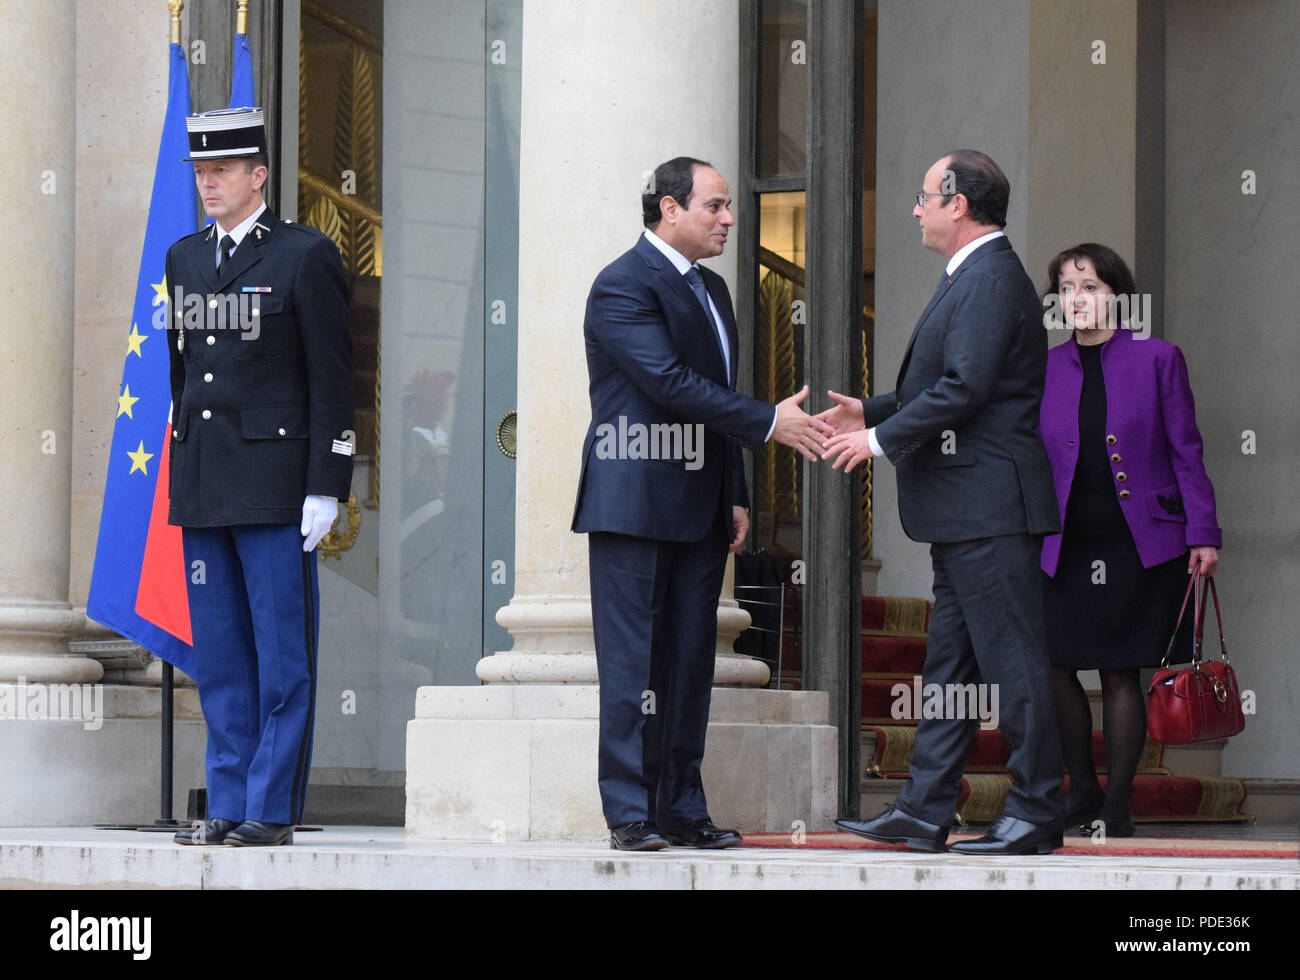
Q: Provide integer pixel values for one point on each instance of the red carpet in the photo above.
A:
(1118, 847)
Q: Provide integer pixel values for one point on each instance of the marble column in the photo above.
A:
(610, 91)
(37, 156)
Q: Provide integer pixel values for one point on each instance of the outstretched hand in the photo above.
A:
(849, 442)
(797, 429)
(846, 416)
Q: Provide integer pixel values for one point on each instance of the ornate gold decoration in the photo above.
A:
(324, 216)
(355, 150)
(336, 542)
(868, 473)
(353, 220)
(379, 387)
(506, 431)
(175, 7)
(776, 368)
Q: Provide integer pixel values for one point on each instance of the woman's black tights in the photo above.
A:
(1124, 731)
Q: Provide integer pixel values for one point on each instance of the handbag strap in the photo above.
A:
(1197, 586)
(1169, 650)
(1218, 618)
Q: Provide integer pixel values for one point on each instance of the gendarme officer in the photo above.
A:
(261, 453)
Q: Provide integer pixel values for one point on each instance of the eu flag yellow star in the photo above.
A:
(124, 402)
(133, 342)
(139, 458)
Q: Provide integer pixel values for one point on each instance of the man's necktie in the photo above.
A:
(227, 246)
(692, 276)
(696, 281)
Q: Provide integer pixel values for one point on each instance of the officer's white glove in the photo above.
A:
(318, 516)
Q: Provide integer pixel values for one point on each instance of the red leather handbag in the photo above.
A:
(1199, 702)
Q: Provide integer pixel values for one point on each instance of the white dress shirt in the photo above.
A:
(238, 232)
(681, 264)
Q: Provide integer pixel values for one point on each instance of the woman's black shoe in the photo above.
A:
(1083, 809)
(1114, 828)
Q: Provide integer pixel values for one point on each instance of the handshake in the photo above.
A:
(838, 431)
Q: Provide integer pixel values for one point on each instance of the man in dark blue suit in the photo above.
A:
(662, 497)
(961, 429)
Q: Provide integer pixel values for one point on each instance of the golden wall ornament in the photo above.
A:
(338, 541)
(342, 198)
(777, 369)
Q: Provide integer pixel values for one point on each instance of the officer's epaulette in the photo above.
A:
(299, 226)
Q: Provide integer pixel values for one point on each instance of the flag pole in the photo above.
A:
(241, 18)
(165, 822)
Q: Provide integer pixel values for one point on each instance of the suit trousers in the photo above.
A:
(987, 627)
(254, 609)
(655, 617)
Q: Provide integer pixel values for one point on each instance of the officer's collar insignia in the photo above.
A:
(211, 228)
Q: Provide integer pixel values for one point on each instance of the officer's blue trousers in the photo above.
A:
(255, 615)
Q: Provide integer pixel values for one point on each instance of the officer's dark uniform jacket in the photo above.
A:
(261, 376)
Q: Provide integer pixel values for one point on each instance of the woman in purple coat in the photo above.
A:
(1137, 511)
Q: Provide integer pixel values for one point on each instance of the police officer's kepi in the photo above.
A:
(226, 133)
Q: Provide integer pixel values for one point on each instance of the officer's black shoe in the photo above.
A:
(255, 833)
(212, 831)
(639, 836)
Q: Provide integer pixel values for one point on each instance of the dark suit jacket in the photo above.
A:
(260, 403)
(653, 359)
(961, 428)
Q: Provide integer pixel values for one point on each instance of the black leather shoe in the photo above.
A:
(639, 836)
(1010, 835)
(209, 832)
(896, 827)
(702, 833)
(254, 833)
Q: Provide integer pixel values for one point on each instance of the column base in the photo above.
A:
(518, 762)
(34, 635)
(75, 754)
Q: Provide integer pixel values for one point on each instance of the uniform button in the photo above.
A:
(176, 435)
(1124, 495)
(256, 311)
(211, 339)
(281, 432)
(212, 303)
(1114, 457)
(1121, 477)
(1111, 440)
(207, 413)
(208, 377)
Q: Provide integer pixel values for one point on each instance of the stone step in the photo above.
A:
(385, 857)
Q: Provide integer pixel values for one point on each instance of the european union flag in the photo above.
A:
(138, 586)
